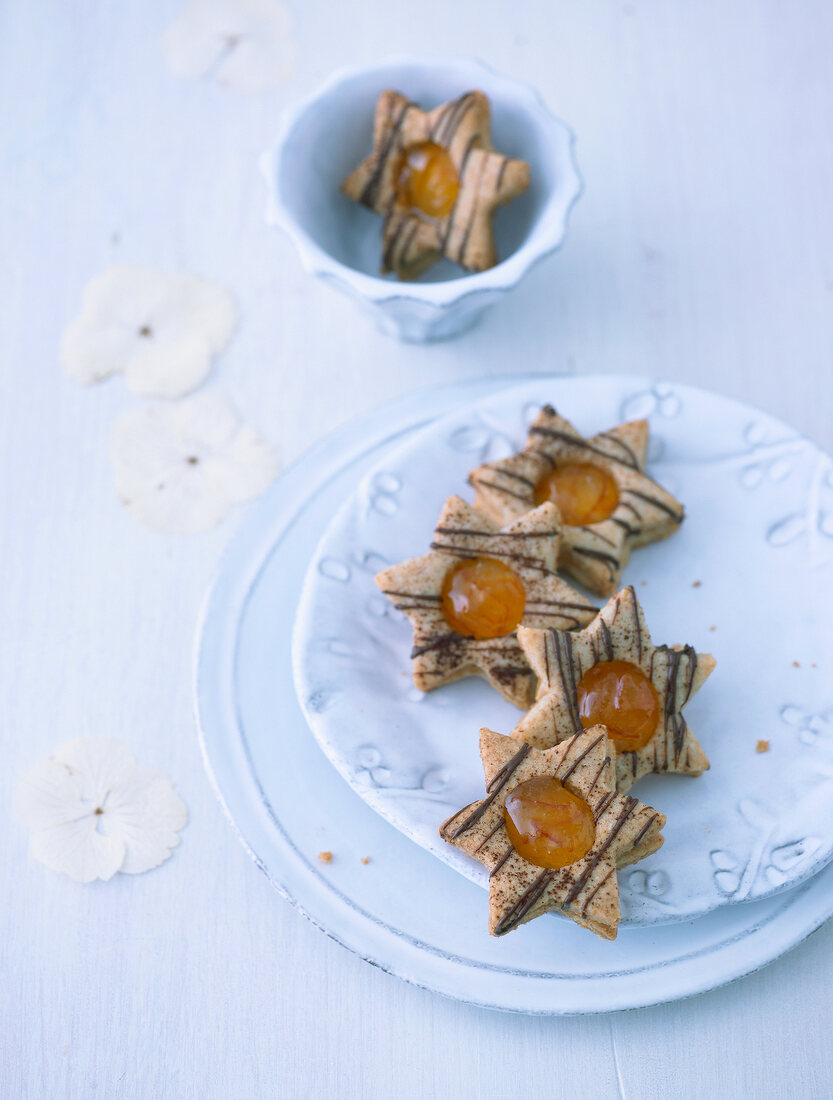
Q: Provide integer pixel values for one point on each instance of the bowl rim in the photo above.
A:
(546, 237)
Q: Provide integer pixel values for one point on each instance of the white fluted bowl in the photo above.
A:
(324, 137)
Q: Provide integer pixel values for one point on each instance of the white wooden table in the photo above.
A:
(701, 251)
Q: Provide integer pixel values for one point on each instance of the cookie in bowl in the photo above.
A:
(436, 180)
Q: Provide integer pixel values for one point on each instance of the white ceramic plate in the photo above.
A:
(405, 911)
(758, 539)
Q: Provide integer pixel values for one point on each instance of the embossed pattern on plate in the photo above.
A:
(748, 578)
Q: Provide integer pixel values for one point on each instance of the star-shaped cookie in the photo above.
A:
(618, 633)
(528, 545)
(411, 241)
(594, 554)
(586, 891)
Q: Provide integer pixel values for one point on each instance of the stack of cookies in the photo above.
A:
(602, 704)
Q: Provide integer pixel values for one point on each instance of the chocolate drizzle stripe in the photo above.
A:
(524, 903)
(445, 110)
(491, 552)
(563, 645)
(626, 527)
(479, 483)
(489, 655)
(593, 532)
(493, 790)
(488, 836)
(515, 477)
(500, 777)
(690, 670)
(644, 829)
(674, 721)
(636, 623)
(680, 731)
(446, 825)
(453, 120)
(582, 880)
(504, 674)
(562, 603)
(598, 555)
(606, 637)
(656, 503)
(371, 188)
(578, 760)
(501, 174)
(474, 140)
(603, 803)
(501, 861)
(543, 455)
(561, 620)
(475, 207)
(587, 901)
(573, 440)
(496, 534)
(598, 774)
(442, 641)
(631, 459)
(390, 247)
(464, 242)
(409, 240)
(410, 595)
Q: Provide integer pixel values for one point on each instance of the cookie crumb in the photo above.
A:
(762, 746)
(696, 584)
(813, 665)
(712, 628)
(796, 664)
(643, 583)
(365, 859)
(325, 857)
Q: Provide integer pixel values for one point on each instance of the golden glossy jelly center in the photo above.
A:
(426, 179)
(547, 824)
(483, 598)
(620, 696)
(584, 493)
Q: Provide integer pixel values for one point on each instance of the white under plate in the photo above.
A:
(748, 577)
(405, 911)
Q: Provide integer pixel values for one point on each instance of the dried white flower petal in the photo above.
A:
(94, 811)
(180, 468)
(247, 45)
(145, 815)
(160, 329)
(79, 849)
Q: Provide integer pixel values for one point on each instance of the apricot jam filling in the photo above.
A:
(620, 696)
(547, 824)
(483, 598)
(583, 493)
(426, 179)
